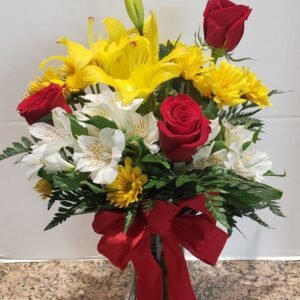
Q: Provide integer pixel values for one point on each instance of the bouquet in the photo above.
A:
(157, 139)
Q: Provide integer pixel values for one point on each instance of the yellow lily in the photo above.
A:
(151, 33)
(130, 62)
(144, 74)
(77, 59)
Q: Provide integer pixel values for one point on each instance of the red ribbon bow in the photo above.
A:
(197, 233)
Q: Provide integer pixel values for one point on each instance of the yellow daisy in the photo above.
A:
(128, 185)
(225, 83)
(50, 76)
(44, 188)
(257, 92)
(192, 63)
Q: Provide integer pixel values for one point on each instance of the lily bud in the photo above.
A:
(135, 10)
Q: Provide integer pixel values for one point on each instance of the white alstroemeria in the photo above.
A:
(215, 130)
(250, 163)
(57, 136)
(38, 159)
(236, 134)
(204, 159)
(100, 155)
(109, 105)
(145, 127)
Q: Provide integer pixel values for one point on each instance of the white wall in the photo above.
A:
(28, 31)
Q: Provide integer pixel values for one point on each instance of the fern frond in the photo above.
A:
(17, 148)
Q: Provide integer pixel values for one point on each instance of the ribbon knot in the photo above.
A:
(197, 233)
(159, 220)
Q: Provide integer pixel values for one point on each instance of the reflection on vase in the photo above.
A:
(157, 251)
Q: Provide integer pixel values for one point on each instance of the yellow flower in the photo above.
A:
(77, 59)
(137, 71)
(44, 188)
(130, 62)
(128, 185)
(256, 92)
(50, 76)
(225, 83)
(192, 63)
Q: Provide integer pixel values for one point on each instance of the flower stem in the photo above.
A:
(73, 106)
(92, 89)
(98, 88)
(182, 86)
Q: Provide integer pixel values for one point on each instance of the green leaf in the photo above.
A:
(156, 159)
(182, 180)
(101, 122)
(148, 205)
(75, 202)
(219, 145)
(155, 183)
(243, 115)
(230, 58)
(69, 181)
(77, 129)
(256, 135)
(96, 189)
(18, 148)
(199, 188)
(129, 218)
(45, 175)
(217, 210)
(211, 111)
(135, 148)
(277, 92)
(246, 145)
(272, 174)
(47, 118)
(27, 142)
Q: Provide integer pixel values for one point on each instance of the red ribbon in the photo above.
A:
(197, 233)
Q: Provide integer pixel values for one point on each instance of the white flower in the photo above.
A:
(110, 106)
(236, 134)
(250, 163)
(215, 130)
(57, 136)
(38, 159)
(145, 127)
(100, 155)
(203, 158)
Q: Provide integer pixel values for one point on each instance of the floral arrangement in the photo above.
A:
(157, 139)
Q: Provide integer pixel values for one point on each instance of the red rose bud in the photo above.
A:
(224, 23)
(42, 102)
(183, 129)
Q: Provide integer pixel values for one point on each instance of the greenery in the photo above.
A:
(243, 115)
(17, 148)
(80, 201)
(228, 195)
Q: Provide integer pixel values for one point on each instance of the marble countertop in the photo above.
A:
(99, 280)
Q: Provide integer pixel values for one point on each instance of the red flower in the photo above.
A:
(224, 23)
(183, 129)
(42, 102)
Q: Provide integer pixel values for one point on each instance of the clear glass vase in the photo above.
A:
(157, 251)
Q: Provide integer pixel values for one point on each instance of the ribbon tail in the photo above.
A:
(205, 240)
(178, 280)
(149, 281)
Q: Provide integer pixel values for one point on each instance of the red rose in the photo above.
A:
(183, 129)
(42, 102)
(224, 23)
